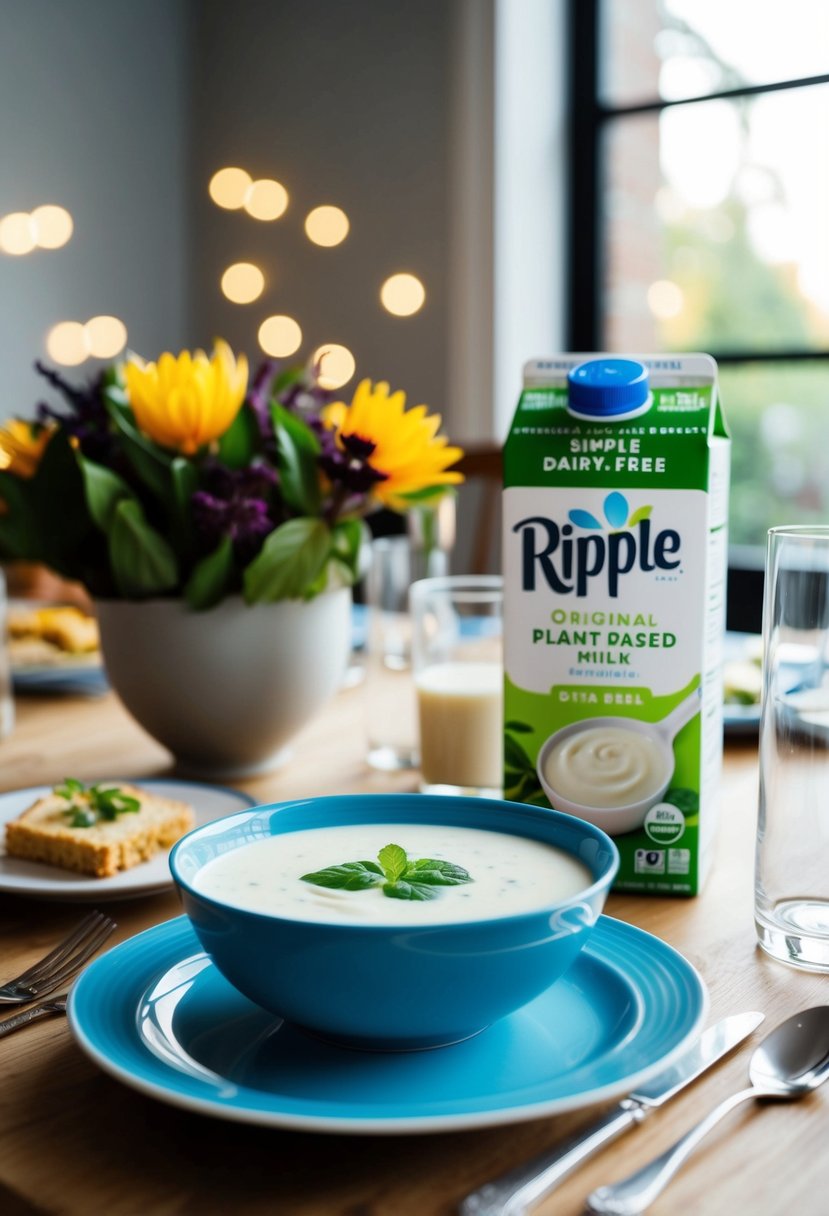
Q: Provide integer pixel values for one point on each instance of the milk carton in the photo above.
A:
(614, 514)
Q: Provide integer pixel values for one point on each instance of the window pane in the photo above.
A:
(778, 414)
(716, 231)
(673, 49)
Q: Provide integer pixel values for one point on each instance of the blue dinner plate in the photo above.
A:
(76, 680)
(156, 1014)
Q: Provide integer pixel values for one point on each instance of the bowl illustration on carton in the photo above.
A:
(612, 771)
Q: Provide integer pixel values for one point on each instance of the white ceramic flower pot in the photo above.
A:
(227, 689)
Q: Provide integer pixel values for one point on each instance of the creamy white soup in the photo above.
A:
(606, 766)
(509, 874)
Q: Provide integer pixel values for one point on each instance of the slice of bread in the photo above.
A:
(42, 833)
(65, 627)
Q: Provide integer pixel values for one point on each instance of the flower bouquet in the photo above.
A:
(180, 479)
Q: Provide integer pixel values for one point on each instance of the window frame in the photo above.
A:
(588, 116)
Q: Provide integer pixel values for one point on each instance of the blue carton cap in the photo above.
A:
(601, 388)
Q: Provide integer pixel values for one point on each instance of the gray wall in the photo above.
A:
(93, 116)
(344, 103)
(121, 113)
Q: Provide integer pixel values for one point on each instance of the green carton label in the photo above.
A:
(614, 588)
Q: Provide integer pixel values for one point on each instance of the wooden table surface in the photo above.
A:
(74, 1141)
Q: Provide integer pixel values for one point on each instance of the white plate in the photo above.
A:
(18, 877)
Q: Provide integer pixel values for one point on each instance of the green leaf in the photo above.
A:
(142, 561)
(409, 890)
(287, 379)
(638, 516)
(426, 494)
(19, 532)
(114, 388)
(241, 441)
(184, 481)
(437, 873)
(297, 451)
(515, 755)
(110, 803)
(334, 575)
(104, 490)
(393, 860)
(403, 879)
(95, 804)
(58, 482)
(539, 798)
(80, 817)
(150, 462)
(70, 787)
(291, 558)
(211, 577)
(520, 728)
(684, 800)
(348, 536)
(350, 876)
(519, 786)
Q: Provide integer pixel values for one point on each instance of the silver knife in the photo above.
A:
(515, 1193)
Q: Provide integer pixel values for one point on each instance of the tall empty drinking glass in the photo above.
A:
(396, 563)
(458, 671)
(792, 866)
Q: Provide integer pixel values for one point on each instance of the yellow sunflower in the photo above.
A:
(22, 445)
(186, 402)
(402, 445)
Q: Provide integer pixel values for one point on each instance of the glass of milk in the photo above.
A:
(458, 677)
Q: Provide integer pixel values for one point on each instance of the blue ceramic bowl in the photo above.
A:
(392, 987)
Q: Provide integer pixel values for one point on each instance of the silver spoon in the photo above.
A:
(789, 1062)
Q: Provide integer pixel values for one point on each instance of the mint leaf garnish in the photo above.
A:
(409, 890)
(393, 860)
(437, 873)
(92, 805)
(350, 876)
(404, 879)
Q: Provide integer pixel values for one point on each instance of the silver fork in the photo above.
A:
(59, 964)
(53, 1004)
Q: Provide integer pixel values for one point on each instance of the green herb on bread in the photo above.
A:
(94, 804)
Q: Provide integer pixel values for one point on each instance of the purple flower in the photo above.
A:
(354, 473)
(258, 398)
(296, 389)
(88, 421)
(305, 397)
(235, 503)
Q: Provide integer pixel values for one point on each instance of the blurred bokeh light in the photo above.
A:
(326, 226)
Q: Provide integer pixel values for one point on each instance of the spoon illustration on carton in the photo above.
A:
(611, 771)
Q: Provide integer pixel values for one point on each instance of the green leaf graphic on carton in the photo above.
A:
(521, 782)
(515, 756)
(639, 515)
(684, 800)
(520, 728)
